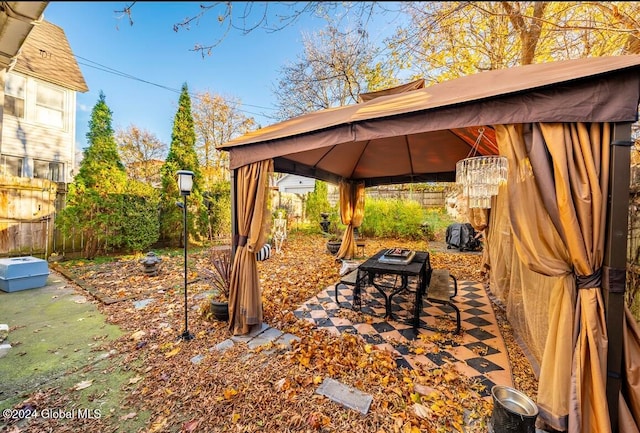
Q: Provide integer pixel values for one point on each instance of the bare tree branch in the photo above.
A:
(126, 11)
(271, 17)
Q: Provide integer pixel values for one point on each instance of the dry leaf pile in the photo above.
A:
(269, 389)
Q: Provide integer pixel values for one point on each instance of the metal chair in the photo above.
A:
(441, 291)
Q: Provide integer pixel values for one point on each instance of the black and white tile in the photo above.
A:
(478, 352)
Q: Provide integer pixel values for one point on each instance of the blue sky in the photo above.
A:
(242, 66)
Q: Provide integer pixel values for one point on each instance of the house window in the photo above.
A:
(14, 86)
(48, 170)
(11, 165)
(49, 106)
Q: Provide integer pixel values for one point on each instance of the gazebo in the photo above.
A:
(556, 232)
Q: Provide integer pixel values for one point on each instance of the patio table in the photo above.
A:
(372, 271)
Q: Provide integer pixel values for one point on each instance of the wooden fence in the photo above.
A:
(27, 215)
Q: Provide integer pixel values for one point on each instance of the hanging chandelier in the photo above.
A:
(480, 176)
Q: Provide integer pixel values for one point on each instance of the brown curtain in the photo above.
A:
(562, 170)
(580, 155)
(245, 302)
(478, 218)
(540, 248)
(352, 214)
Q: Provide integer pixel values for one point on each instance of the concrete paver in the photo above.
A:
(347, 396)
(266, 337)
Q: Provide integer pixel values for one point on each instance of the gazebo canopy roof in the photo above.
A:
(419, 135)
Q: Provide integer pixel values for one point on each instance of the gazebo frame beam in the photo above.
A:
(615, 262)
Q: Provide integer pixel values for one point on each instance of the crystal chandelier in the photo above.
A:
(481, 176)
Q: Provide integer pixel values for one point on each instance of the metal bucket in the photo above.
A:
(513, 411)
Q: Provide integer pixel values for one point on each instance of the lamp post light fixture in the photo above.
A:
(185, 184)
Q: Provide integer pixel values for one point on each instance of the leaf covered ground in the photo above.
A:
(268, 389)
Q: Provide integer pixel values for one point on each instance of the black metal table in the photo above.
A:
(419, 267)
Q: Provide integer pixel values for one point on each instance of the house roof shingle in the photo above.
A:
(46, 55)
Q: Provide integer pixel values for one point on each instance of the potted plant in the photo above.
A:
(333, 244)
(220, 278)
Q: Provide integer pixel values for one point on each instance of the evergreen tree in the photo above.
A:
(102, 154)
(182, 156)
(92, 206)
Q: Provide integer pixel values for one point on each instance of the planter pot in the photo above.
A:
(220, 310)
(333, 246)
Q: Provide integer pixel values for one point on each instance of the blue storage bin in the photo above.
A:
(22, 273)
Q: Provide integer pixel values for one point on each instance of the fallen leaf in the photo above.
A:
(282, 385)
(82, 385)
(229, 393)
(415, 397)
(130, 415)
(422, 389)
(191, 426)
(174, 352)
(450, 376)
(138, 335)
(421, 410)
(135, 380)
(158, 424)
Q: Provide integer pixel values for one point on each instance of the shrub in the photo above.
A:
(117, 221)
(393, 218)
(317, 201)
(140, 224)
(218, 202)
(437, 220)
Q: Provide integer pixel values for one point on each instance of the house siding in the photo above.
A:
(29, 139)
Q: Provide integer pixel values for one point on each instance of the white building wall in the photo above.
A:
(29, 139)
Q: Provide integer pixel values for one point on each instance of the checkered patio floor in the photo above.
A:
(478, 352)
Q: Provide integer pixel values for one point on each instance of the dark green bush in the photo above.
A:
(140, 226)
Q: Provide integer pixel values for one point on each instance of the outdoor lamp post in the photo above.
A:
(185, 184)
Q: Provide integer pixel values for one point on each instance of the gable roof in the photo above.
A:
(46, 55)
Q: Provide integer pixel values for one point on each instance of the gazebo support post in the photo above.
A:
(234, 214)
(615, 262)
